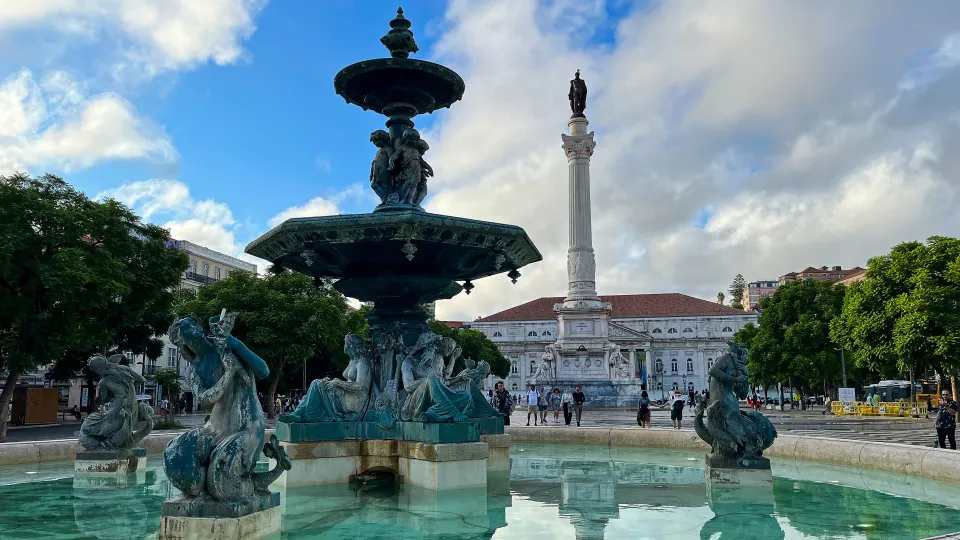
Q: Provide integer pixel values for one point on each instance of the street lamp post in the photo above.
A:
(843, 366)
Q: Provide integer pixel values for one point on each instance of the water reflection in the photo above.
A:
(557, 492)
(741, 512)
(115, 508)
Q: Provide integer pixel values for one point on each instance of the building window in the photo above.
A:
(514, 386)
(690, 387)
(659, 385)
(532, 333)
(171, 357)
(689, 365)
(727, 329)
(533, 367)
(673, 365)
(206, 269)
(514, 368)
(497, 334)
(546, 333)
(193, 265)
(657, 331)
(687, 330)
(659, 365)
(709, 363)
(216, 272)
(672, 331)
(676, 386)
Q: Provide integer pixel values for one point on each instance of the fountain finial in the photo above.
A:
(399, 40)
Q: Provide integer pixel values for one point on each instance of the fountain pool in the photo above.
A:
(565, 491)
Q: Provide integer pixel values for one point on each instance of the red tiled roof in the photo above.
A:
(625, 306)
(453, 324)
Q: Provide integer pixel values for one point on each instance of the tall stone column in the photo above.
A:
(581, 264)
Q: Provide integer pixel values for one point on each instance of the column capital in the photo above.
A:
(578, 146)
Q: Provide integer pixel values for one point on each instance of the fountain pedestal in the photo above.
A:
(193, 519)
(433, 466)
(724, 471)
(110, 463)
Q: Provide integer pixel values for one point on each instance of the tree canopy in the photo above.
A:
(792, 339)
(906, 313)
(476, 346)
(74, 273)
(285, 317)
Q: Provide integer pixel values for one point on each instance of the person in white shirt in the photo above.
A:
(676, 409)
(532, 397)
(566, 401)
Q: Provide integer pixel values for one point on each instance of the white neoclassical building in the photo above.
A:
(669, 341)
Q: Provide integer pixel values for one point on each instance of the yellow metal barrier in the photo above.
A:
(891, 408)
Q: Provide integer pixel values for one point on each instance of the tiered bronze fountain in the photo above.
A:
(399, 385)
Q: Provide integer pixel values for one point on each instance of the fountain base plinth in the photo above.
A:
(738, 471)
(435, 466)
(194, 519)
(110, 463)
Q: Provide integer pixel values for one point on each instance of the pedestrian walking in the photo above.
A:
(578, 399)
(691, 399)
(532, 398)
(676, 409)
(566, 401)
(490, 396)
(643, 410)
(542, 405)
(946, 420)
(826, 406)
(555, 405)
(503, 402)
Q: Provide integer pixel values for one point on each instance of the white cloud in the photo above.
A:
(813, 147)
(169, 203)
(51, 123)
(317, 206)
(153, 36)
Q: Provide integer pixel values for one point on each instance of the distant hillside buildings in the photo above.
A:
(756, 290)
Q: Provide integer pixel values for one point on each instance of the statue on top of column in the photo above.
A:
(578, 95)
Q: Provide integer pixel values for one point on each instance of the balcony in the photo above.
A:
(199, 278)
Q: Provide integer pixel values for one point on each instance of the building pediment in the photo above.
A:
(621, 331)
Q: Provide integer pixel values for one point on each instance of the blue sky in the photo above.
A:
(734, 136)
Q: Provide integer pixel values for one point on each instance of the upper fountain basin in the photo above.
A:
(381, 83)
(400, 243)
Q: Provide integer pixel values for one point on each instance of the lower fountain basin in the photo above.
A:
(572, 490)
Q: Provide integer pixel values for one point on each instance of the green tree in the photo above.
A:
(285, 317)
(736, 291)
(906, 314)
(792, 342)
(475, 346)
(65, 260)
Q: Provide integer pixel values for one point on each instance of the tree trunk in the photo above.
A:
(5, 398)
(803, 399)
(766, 394)
(272, 391)
(781, 397)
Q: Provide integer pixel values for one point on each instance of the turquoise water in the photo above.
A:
(552, 492)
